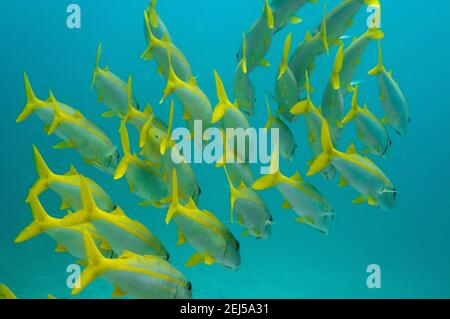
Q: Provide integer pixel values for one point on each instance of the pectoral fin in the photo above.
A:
(343, 182)
(64, 144)
(181, 238)
(359, 200)
(60, 249)
(286, 205)
(198, 258)
(108, 114)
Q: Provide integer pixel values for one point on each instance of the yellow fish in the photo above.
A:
(142, 277)
(68, 238)
(67, 186)
(242, 86)
(121, 232)
(213, 242)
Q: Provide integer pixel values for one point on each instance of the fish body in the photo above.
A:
(68, 238)
(121, 232)
(300, 196)
(393, 101)
(352, 57)
(143, 277)
(167, 56)
(314, 120)
(6, 293)
(213, 242)
(144, 180)
(111, 90)
(284, 12)
(67, 186)
(371, 132)
(287, 145)
(158, 28)
(359, 172)
(242, 86)
(259, 39)
(250, 210)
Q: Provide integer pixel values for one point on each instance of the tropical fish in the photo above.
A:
(43, 109)
(111, 90)
(143, 277)
(68, 238)
(341, 18)
(231, 117)
(6, 293)
(167, 56)
(300, 196)
(144, 180)
(242, 86)
(250, 210)
(359, 172)
(172, 158)
(333, 97)
(195, 102)
(73, 128)
(259, 39)
(87, 139)
(286, 89)
(121, 232)
(314, 121)
(287, 144)
(284, 12)
(158, 28)
(152, 131)
(305, 55)
(213, 242)
(371, 132)
(352, 57)
(67, 186)
(392, 99)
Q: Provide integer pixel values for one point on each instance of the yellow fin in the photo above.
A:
(108, 114)
(342, 182)
(269, 15)
(181, 238)
(352, 149)
(286, 204)
(195, 259)
(359, 200)
(6, 293)
(64, 205)
(60, 249)
(264, 63)
(295, 20)
(64, 144)
(117, 292)
(337, 68)
(371, 201)
(284, 62)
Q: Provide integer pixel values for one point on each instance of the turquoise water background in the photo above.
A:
(411, 244)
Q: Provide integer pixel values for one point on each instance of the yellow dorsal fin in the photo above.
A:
(269, 15)
(118, 292)
(297, 177)
(97, 64)
(175, 203)
(270, 117)
(224, 102)
(352, 149)
(42, 169)
(233, 193)
(173, 82)
(338, 63)
(354, 109)
(72, 171)
(166, 141)
(123, 165)
(287, 47)
(244, 54)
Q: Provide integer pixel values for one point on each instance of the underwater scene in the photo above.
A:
(224, 149)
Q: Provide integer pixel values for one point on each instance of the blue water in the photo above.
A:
(411, 244)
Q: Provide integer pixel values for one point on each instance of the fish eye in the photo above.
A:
(189, 286)
(117, 155)
(138, 107)
(238, 245)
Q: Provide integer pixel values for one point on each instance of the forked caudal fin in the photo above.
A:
(167, 139)
(274, 177)
(95, 263)
(284, 62)
(380, 67)
(97, 64)
(324, 159)
(43, 171)
(224, 102)
(42, 221)
(269, 15)
(354, 110)
(337, 68)
(323, 31)
(173, 81)
(32, 101)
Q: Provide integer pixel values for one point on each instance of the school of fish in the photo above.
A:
(123, 251)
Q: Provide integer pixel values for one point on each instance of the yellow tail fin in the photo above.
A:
(337, 68)
(42, 221)
(287, 47)
(97, 64)
(306, 105)
(32, 101)
(224, 102)
(273, 178)
(269, 15)
(380, 67)
(233, 193)
(270, 117)
(153, 41)
(324, 159)
(354, 110)
(58, 116)
(95, 263)
(6, 293)
(173, 82)
(123, 165)
(244, 54)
